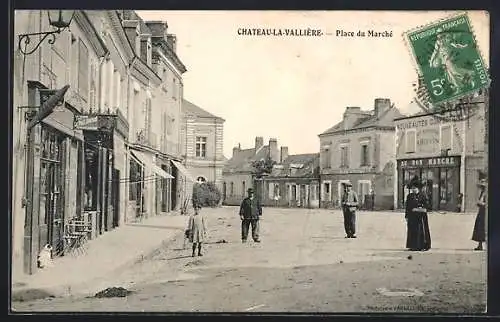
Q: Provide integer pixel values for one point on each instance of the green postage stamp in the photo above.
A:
(448, 59)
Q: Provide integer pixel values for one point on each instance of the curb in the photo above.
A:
(32, 294)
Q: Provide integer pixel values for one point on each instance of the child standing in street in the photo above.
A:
(197, 230)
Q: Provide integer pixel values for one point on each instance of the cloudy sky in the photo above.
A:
(294, 88)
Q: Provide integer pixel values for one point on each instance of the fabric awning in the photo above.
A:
(156, 169)
(183, 170)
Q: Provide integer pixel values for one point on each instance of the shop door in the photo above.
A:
(116, 197)
(449, 187)
(51, 214)
(303, 196)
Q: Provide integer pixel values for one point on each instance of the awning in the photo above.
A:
(183, 170)
(145, 160)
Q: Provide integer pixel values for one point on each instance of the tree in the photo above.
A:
(206, 194)
(260, 169)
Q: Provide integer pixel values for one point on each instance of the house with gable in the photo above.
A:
(293, 182)
(360, 149)
(238, 170)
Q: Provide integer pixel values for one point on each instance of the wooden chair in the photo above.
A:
(76, 234)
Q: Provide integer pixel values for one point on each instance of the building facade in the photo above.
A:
(100, 156)
(448, 156)
(294, 181)
(360, 149)
(202, 139)
(238, 173)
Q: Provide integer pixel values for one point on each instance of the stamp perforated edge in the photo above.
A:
(452, 16)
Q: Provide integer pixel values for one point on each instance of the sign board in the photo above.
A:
(436, 162)
(85, 122)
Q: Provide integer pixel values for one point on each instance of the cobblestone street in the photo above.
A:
(304, 264)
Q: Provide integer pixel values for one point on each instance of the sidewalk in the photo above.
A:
(110, 252)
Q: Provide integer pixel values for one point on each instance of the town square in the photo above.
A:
(181, 161)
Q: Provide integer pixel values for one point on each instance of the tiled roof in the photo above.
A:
(242, 161)
(191, 108)
(307, 162)
(385, 119)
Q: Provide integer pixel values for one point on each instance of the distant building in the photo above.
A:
(202, 141)
(238, 169)
(448, 156)
(360, 149)
(294, 181)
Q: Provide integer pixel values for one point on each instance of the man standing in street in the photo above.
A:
(349, 205)
(250, 214)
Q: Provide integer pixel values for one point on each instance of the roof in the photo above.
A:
(242, 161)
(191, 108)
(297, 165)
(386, 119)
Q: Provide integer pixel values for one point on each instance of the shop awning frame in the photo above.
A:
(185, 172)
(139, 156)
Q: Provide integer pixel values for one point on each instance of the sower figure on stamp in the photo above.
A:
(250, 214)
(479, 233)
(349, 205)
(418, 236)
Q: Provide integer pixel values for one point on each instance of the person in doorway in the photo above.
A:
(418, 236)
(349, 206)
(250, 214)
(479, 232)
(372, 199)
(197, 230)
(460, 198)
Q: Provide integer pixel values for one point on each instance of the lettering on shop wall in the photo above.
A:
(430, 162)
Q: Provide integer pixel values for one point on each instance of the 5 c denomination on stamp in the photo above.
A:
(448, 59)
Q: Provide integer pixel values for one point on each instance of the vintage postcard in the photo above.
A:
(250, 161)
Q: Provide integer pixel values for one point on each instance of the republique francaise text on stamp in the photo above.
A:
(448, 59)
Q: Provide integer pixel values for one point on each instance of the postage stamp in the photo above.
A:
(448, 59)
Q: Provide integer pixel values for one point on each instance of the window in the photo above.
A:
(411, 141)
(325, 158)
(326, 191)
(274, 190)
(231, 191)
(446, 137)
(364, 154)
(201, 147)
(344, 157)
(364, 187)
(83, 70)
(243, 188)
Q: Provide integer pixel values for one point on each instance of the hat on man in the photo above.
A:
(482, 183)
(348, 184)
(415, 182)
(250, 190)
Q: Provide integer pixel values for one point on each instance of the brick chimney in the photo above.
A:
(236, 149)
(284, 153)
(381, 105)
(274, 152)
(259, 142)
(351, 115)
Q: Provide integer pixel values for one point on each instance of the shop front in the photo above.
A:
(440, 177)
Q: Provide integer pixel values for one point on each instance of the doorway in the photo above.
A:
(173, 189)
(115, 191)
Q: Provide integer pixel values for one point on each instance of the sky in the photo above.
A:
(294, 88)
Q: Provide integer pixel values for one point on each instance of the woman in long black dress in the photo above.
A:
(479, 233)
(418, 234)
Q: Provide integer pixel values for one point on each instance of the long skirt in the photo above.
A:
(418, 233)
(479, 232)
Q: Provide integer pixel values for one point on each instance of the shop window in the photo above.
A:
(135, 179)
(411, 141)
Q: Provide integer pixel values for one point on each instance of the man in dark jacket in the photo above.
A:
(250, 214)
(349, 205)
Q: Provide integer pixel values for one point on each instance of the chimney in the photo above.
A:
(274, 152)
(172, 42)
(236, 149)
(158, 28)
(284, 153)
(381, 105)
(351, 115)
(259, 142)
